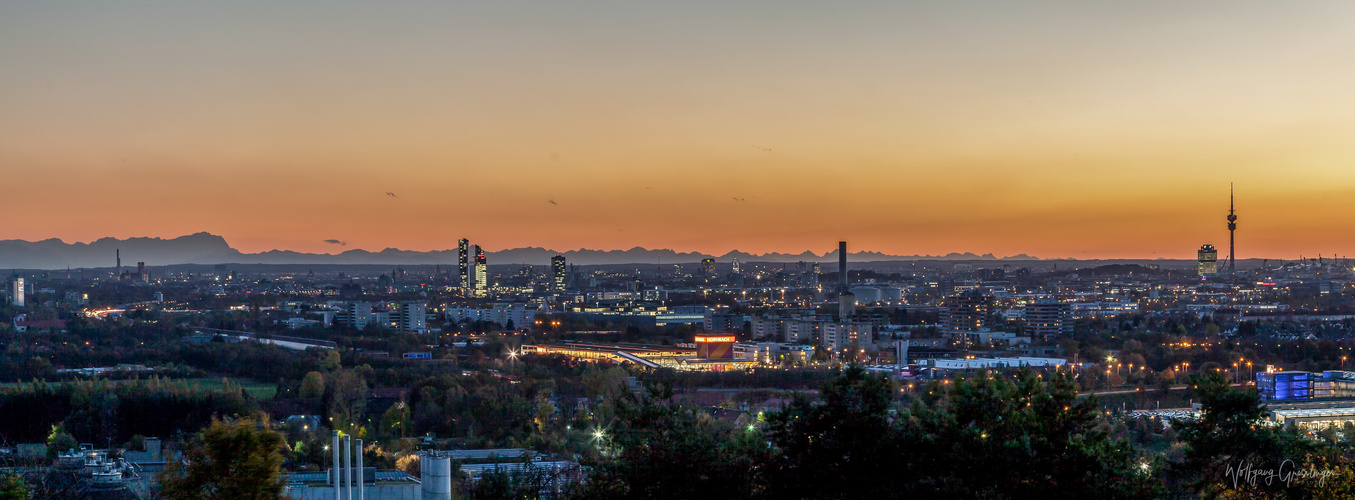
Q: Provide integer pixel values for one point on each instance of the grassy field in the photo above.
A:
(256, 390)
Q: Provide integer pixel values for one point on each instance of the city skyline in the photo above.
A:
(1052, 129)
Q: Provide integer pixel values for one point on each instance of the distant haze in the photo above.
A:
(205, 248)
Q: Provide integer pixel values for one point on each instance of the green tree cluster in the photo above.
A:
(235, 459)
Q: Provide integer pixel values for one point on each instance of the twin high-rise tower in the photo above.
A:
(473, 267)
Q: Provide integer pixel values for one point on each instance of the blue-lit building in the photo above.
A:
(1297, 386)
(1284, 386)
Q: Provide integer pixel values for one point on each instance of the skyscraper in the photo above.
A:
(557, 269)
(463, 259)
(846, 300)
(481, 273)
(842, 265)
(1232, 226)
(735, 266)
(708, 267)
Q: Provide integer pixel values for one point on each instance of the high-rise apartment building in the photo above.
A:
(558, 272)
(967, 312)
(356, 315)
(411, 317)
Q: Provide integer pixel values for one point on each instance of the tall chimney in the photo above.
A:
(348, 465)
(842, 264)
(338, 493)
(361, 478)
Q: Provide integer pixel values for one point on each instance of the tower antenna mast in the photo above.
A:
(1232, 226)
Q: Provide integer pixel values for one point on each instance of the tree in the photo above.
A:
(1231, 434)
(239, 459)
(12, 487)
(348, 394)
(395, 421)
(60, 441)
(1034, 429)
(313, 386)
(329, 361)
(841, 448)
(657, 449)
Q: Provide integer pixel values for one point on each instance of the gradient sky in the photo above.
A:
(1056, 129)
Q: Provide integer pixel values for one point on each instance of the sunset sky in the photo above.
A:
(1055, 129)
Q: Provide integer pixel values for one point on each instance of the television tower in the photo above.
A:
(1232, 227)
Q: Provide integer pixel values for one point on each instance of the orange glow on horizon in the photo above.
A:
(1056, 131)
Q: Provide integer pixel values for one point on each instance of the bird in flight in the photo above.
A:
(390, 194)
(552, 202)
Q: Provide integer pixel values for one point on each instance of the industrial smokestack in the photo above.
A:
(348, 465)
(842, 264)
(338, 493)
(361, 479)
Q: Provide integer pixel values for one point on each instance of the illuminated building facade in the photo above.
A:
(715, 346)
(839, 338)
(967, 312)
(1208, 259)
(463, 255)
(708, 267)
(558, 272)
(1048, 318)
(480, 279)
(18, 288)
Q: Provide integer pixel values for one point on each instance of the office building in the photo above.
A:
(558, 272)
(463, 262)
(481, 273)
(708, 267)
(1208, 260)
(719, 323)
(1047, 319)
(846, 300)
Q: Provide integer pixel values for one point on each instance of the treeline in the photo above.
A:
(977, 437)
(97, 411)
